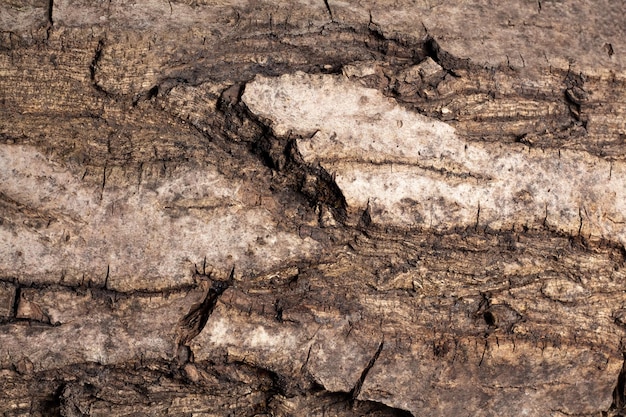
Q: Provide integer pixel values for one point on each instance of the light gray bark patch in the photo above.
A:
(410, 170)
(134, 239)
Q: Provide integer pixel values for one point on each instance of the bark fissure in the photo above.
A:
(193, 323)
(619, 393)
(330, 12)
(93, 66)
(50, 8)
(356, 390)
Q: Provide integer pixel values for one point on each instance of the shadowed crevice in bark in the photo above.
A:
(16, 301)
(282, 155)
(447, 61)
(359, 384)
(93, 66)
(55, 404)
(318, 400)
(330, 12)
(619, 394)
(49, 17)
(193, 323)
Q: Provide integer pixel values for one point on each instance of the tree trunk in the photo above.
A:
(251, 208)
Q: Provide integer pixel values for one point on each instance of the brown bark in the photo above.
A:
(172, 244)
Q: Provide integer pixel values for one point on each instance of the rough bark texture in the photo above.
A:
(314, 208)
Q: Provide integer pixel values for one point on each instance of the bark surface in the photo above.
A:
(316, 208)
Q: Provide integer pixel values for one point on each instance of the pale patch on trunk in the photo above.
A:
(131, 238)
(410, 170)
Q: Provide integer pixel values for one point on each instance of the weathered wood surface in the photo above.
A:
(312, 208)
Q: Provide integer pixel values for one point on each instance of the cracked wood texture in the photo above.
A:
(312, 208)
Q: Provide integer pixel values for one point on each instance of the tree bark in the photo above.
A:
(318, 208)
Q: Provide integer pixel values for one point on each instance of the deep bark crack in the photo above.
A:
(359, 384)
(93, 66)
(330, 12)
(619, 393)
(49, 18)
(193, 323)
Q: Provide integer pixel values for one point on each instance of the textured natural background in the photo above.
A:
(319, 208)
